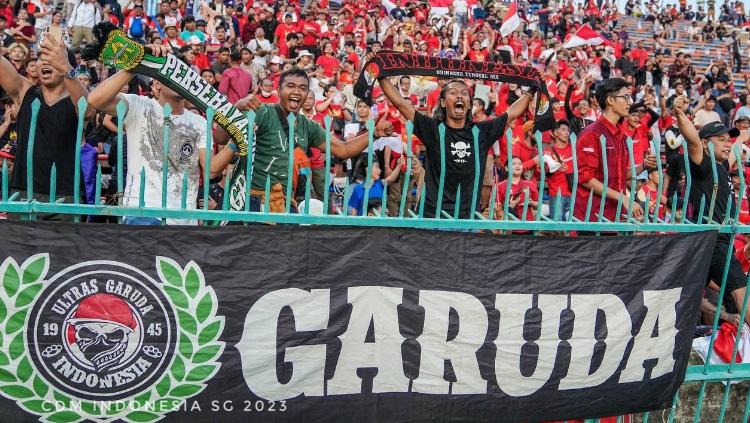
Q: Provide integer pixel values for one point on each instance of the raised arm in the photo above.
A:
(55, 54)
(520, 106)
(358, 144)
(105, 97)
(14, 84)
(688, 131)
(403, 105)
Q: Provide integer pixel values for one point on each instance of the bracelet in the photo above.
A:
(232, 146)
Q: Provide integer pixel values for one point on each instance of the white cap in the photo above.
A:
(170, 21)
(278, 60)
(194, 40)
(304, 53)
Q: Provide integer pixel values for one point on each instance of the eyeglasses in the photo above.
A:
(626, 97)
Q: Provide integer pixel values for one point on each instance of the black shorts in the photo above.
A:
(736, 278)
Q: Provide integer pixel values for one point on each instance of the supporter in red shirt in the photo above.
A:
(310, 31)
(433, 98)
(235, 81)
(331, 65)
(559, 152)
(650, 191)
(637, 126)
(520, 190)
(201, 59)
(639, 55)
(283, 29)
(527, 151)
(613, 95)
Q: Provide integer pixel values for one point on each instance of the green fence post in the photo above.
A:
(121, 110)
(508, 184)
(688, 182)
(538, 138)
(291, 145)
(574, 194)
(167, 112)
(631, 158)
(405, 191)
(477, 167)
(209, 152)
(250, 116)
(441, 185)
(327, 186)
(30, 150)
(53, 183)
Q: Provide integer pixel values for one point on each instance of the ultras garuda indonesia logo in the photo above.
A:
(103, 341)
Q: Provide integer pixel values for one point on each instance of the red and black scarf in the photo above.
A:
(388, 63)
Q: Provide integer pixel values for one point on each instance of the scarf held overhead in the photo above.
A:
(386, 64)
(114, 48)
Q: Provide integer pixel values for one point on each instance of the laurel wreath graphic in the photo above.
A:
(194, 361)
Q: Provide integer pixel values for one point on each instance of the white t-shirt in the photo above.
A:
(256, 44)
(704, 117)
(144, 123)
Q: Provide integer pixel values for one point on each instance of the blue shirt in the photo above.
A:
(356, 200)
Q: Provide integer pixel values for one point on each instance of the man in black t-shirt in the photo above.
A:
(701, 169)
(460, 155)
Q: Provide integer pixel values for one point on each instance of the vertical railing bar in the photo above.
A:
(538, 138)
(475, 190)
(422, 201)
(574, 194)
(308, 187)
(291, 145)
(167, 111)
(457, 208)
(207, 159)
(97, 186)
(712, 203)
(509, 184)
(701, 394)
(405, 191)
(183, 196)
(656, 146)
(53, 183)
(605, 170)
(631, 158)
(384, 200)
(82, 106)
(225, 198)
(142, 190)
(347, 196)
(5, 180)
(121, 109)
(367, 181)
(35, 105)
(441, 184)
(250, 159)
(688, 182)
(725, 397)
(326, 188)
(267, 196)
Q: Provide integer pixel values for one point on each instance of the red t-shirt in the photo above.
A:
(330, 65)
(558, 181)
(272, 99)
(520, 189)
(314, 29)
(282, 30)
(235, 84)
(479, 55)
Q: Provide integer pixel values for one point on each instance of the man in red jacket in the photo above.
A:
(613, 95)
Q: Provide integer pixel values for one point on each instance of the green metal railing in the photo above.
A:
(624, 223)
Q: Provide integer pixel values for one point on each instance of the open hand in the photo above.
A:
(54, 53)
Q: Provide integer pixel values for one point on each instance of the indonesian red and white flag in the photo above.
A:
(585, 36)
(511, 21)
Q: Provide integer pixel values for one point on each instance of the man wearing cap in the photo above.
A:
(137, 25)
(235, 82)
(703, 186)
(283, 29)
(172, 36)
(305, 60)
(724, 98)
(200, 58)
(311, 32)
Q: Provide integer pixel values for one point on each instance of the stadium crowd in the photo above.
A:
(277, 57)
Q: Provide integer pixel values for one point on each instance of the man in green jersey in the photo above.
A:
(272, 131)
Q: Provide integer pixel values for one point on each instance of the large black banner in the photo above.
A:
(323, 324)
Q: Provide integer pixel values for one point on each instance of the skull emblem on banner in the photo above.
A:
(100, 331)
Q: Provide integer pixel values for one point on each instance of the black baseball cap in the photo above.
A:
(713, 129)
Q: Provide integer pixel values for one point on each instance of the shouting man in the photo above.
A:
(452, 110)
(272, 142)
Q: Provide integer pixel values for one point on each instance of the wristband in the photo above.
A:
(232, 146)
